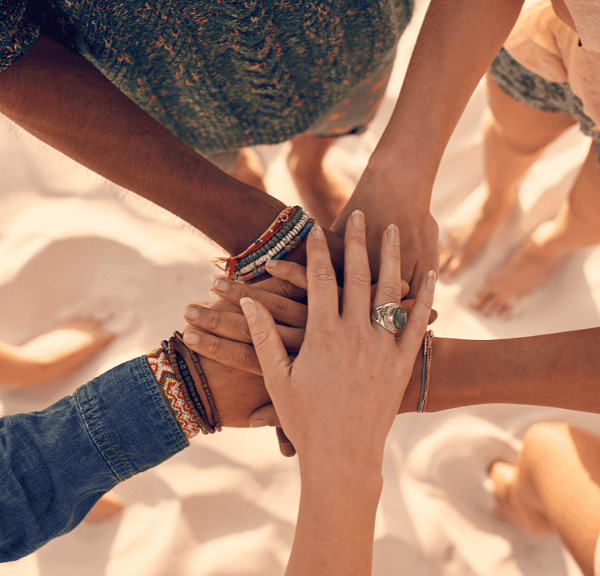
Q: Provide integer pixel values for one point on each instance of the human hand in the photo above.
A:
(364, 376)
(379, 195)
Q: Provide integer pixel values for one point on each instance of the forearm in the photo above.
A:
(335, 528)
(456, 45)
(55, 464)
(62, 99)
(556, 370)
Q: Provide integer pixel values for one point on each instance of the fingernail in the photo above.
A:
(257, 423)
(220, 285)
(191, 338)
(271, 264)
(393, 235)
(431, 278)
(190, 313)
(249, 309)
(317, 232)
(358, 219)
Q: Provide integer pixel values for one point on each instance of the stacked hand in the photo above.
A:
(222, 333)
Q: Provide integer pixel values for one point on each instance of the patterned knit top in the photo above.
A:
(220, 74)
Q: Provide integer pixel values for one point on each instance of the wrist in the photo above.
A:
(408, 178)
(333, 480)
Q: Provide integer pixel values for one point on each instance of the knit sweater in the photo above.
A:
(219, 74)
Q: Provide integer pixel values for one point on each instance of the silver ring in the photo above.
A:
(390, 316)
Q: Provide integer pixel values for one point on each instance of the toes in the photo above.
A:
(490, 303)
(502, 476)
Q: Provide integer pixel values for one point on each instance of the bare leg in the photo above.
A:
(323, 194)
(53, 354)
(555, 488)
(106, 508)
(577, 226)
(515, 139)
(248, 169)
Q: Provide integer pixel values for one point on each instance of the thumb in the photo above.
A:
(272, 355)
(264, 416)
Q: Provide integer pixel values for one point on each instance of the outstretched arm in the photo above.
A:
(337, 400)
(456, 44)
(62, 99)
(557, 370)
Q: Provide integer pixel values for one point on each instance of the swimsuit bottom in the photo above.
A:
(537, 92)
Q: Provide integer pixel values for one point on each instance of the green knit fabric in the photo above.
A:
(220, 74)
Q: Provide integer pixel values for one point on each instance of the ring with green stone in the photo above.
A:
(390, 316)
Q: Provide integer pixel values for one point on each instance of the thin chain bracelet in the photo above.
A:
(426, 370)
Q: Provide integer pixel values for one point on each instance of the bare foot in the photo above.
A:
(248, 169)
(465, 242)
(527, 269)
(532, 263)
(105, 509)
(517, 500)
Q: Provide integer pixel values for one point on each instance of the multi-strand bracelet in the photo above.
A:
(426, 370)
(184, 387)
(283, 235)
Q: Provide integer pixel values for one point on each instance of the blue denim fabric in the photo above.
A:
(57, 463)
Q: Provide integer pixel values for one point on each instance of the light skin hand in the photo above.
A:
(363, 376)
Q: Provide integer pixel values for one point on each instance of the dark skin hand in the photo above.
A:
(555, 370)
(223, 337)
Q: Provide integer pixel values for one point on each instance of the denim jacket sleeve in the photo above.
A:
(57, 463)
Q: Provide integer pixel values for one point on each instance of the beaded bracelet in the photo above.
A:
(278, 240)
(273, 241)
(188, 370)
(426, 370)
(258, 271)
(232, 264)
(277, 248)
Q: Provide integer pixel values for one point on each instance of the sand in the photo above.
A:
(227, 505)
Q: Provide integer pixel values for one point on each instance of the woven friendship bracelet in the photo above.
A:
(171, 391)
(426, 370)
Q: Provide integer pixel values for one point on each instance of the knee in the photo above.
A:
(542, 443)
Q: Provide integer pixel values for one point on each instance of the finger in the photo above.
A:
(281, 286)
(322, 282)
(412, 334)
(404, 287)
(389, 285)
(272, 356)
(357, 275)
(233, 354)
(264, 416)
(233, 326)
(291, 272)
(285, 445)
(281, 308)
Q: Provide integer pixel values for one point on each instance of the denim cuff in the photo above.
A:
(128, 420)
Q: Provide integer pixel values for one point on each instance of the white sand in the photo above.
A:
(227, 505)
